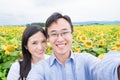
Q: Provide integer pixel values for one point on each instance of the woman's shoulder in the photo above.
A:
(15, 64)
(13, 73)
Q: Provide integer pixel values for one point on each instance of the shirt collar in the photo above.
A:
(53, 58)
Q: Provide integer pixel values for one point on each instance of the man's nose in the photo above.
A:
(60, 37)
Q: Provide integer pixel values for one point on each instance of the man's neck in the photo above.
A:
(63, 57)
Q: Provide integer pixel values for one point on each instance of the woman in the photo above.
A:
(33, 49)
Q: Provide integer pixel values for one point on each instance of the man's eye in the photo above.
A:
(64, 33)
(53, 34)
(44, 41)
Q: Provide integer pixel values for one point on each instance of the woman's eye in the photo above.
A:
(34, 43)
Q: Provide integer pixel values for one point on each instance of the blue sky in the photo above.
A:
(16, 12)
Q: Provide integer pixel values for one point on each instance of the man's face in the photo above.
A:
(60, 36)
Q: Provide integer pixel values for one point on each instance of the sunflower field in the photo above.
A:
(94, 39)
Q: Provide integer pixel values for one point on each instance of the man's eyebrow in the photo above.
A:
(53, 31)
(64, 29)
(61, 30)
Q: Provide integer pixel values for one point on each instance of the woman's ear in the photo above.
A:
(26, 47)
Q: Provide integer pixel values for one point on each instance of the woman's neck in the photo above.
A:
(35, 60)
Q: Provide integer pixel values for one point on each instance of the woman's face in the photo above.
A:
(36, 45)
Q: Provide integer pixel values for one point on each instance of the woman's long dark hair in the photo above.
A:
(25, 65)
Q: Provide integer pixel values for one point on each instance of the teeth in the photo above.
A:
(60, 45)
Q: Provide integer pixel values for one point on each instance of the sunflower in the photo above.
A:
(15, 45)
(9, 49)
(88, 44)
(82, 38)
(103, 42)
(101, 56)
(118, 46)
(77, 49)
(20, 54)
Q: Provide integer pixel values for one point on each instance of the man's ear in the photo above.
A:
(118, 70)
(48, 40)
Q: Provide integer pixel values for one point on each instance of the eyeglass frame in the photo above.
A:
(56, 35)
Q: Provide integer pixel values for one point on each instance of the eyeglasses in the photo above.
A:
(56, 35)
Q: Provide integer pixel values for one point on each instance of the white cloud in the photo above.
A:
(27, 11)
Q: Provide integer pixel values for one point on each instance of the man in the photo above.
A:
(63, 63)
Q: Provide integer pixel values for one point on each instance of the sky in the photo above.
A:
(20, 12)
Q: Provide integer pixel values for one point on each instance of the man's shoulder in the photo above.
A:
(79, 56)
(83, 54)
(86, 57)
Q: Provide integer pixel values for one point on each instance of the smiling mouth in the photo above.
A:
(41, 52)
(61, 45)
